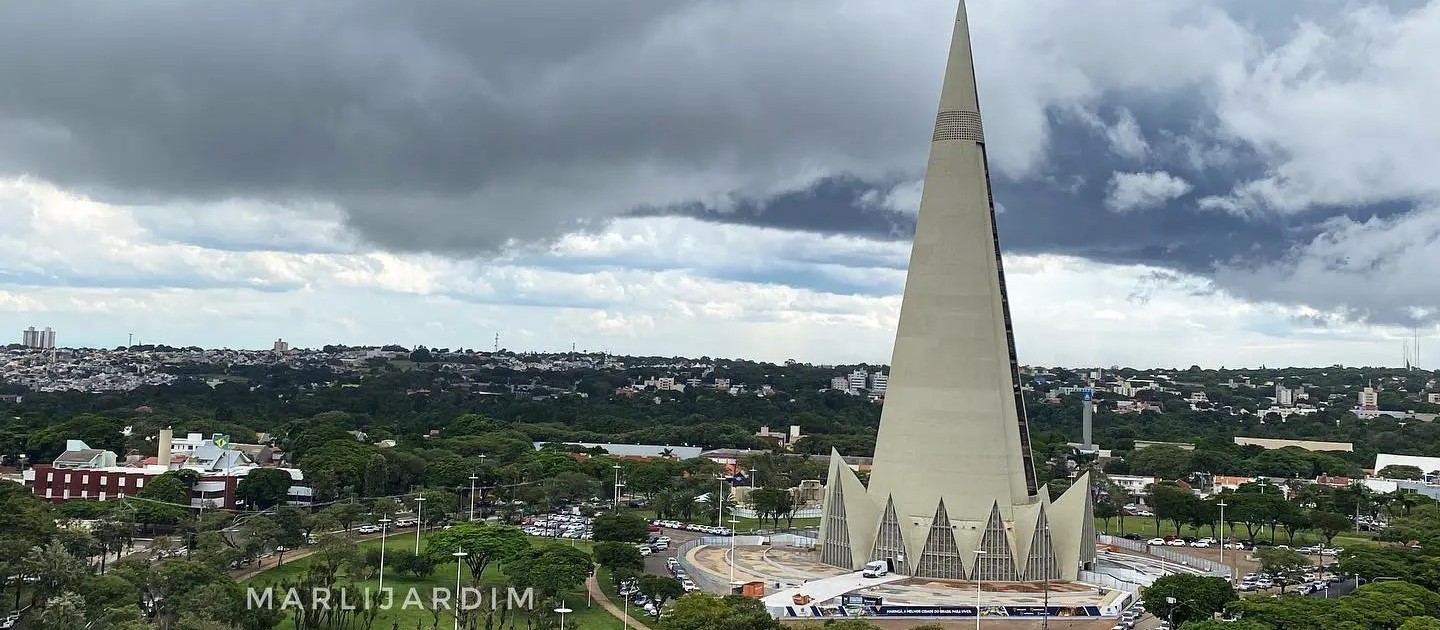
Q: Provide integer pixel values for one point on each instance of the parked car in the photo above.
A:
(1156, 541)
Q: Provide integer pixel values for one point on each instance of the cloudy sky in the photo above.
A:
(1214, 182)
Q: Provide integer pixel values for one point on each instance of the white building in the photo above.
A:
(1369, 399)
(858, 380)
(878, 382)
(1284, 396)
(42, 339)
(840, 383)
(280, 346)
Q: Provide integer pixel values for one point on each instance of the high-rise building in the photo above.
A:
(41, 339)
(859, 379)
(953, 492)
(878, 382)
(280, 346)
(1369, 399)
(1284, 396)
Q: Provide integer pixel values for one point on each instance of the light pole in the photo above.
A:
(472, 496)
(979, 555)
(384, 524)
(482, 493)
(734, 523)
(563, 611)
(1174, 603)
(459, 559)
(754, 477)
(1229, 574)
(617, 487)
(1045, 620)
(720, 517)
(419, 520)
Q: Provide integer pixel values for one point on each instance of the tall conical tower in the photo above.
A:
(953, 444)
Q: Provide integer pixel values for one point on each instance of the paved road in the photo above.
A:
(655, 562)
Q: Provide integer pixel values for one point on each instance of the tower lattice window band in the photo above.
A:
(958, 124)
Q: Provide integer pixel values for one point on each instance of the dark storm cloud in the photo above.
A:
(453, 125)
(466, 127)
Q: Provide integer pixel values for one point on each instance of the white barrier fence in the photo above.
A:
(1173, 555)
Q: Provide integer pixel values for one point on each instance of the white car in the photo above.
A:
(644, 551)
(1200, 543)
(1176, 543)
(1155, 541)
(368, 529)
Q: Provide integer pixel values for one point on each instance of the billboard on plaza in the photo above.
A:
(859, 606)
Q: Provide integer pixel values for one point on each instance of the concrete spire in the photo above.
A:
(953, 432)
(952, 421)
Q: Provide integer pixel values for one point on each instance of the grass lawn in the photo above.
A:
(1145, 526)
(585, 617)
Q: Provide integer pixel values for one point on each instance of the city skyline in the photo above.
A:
(1219, 189)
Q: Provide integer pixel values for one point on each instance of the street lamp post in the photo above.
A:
(734, 523)
(419, 520)
(459, 559)
(482, 493)
(472, 496)
(384, 525)
(1045, 620)
(754, 477)
(1229, 574)
(979, 555)
(563, 611)
(617, 487)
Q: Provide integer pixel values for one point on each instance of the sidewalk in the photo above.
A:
(595, 591)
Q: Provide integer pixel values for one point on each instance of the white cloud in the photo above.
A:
(1375, 268)
(1067, 311)
(1343, 113)
(1126, 138)
(1138, 191)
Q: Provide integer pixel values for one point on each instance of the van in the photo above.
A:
(874, 569)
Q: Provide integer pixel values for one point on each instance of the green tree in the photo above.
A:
(65, 611)
(1421, 623)
(385, 507)
(1401, 471)
(1173, 503)
(343, 514)
(165, 498)
(485, 543)
(55, 570)
(698, 611)
(1329, 524)
(1283, 563)
(618, 555)
(1193, 596)
(623, 527)
(1162, 460)
(1241, 624)
(549, 569)
(264, 488)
